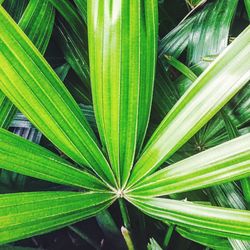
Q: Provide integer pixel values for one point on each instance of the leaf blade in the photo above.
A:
(122, 94)
(66, 127)
(226, 162)
(41, 212)
(24, 157)
(210, 219)
(197, 106)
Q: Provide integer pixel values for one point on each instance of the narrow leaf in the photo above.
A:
(122, 40)
(207, 219)
(226, 162)
(181, 67)
(206, 96)
(27, 158)
(39, 32)
(41, 96)
(211, 241)
(27, 214)
(82, 7)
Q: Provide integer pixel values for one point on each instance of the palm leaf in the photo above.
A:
(66, 127)
(211, 241)
(121, 75)
(226, 162)
(74, 52)
(82, 7)
(39, 32)
(211, 25)
(197, 106)
(27, 214)
(29, 159)
(207, 219)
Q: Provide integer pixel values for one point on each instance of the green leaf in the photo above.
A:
(206, 96)
(7, 111)
(15, 8)
(82, 7)
(74, 52)
(27, 214)
(32, 24)
(211, 241)
(27, 158)
(245, 183)
(153, 245)
(181, 67)
(39, 32)
(226, 162)
(207, 219)
(50, 107)
(176, 40)
(247, 4)
(122, 75)
(233, 133)
(70, 14)
(211, 25)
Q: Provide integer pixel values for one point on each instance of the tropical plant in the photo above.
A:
(122, 154)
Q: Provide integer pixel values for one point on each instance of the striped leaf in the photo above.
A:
(226, 162)
(122, 40)
(27, 158)
(207, 95)
(27, 214)
(39, 32)
(41, 96)
(207, 219)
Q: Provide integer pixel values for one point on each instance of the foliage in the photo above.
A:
(123, 112)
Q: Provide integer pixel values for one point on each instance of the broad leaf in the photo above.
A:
(27, 214)
(27, 158)
(226, 162)
(207, 219)
(41, 96)
(207, 95)
(39, 32)
(122, 75)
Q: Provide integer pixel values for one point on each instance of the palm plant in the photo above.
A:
(122, 162)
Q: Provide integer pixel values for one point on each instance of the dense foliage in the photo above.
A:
(134, 115)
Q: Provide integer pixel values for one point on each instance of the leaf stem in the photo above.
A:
(124, 213)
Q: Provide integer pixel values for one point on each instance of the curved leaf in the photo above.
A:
(211, 241)
(207, 95)
(211, 25)
(27, 214)
(41, 96)
(207, 219)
